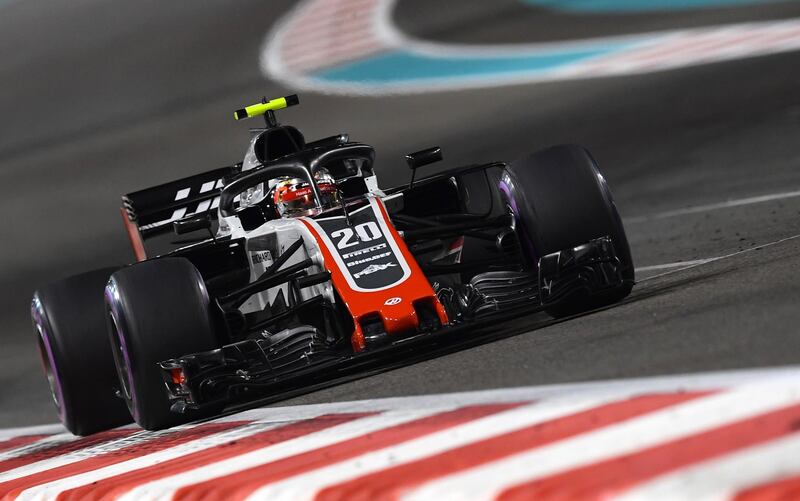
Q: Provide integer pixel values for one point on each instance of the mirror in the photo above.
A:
(424, 157)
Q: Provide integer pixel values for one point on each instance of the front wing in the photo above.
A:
(263, 369)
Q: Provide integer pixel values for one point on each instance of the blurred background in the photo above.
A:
(691, 108)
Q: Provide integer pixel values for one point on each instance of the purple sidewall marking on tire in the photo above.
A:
(521, 231)
(38, 315)
(123, 347)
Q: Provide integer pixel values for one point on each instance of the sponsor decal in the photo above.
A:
(393, 301)
(373, 268)
(368, 259)
(364, 249)
(262, 257)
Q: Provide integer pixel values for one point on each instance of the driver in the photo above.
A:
(294, 197)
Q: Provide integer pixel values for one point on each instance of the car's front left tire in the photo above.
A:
(560, 200)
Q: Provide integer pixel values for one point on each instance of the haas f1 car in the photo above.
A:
(294, 268)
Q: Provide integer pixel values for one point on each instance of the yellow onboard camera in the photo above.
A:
(265, 107)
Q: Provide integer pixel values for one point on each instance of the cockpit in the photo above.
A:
(283, 176)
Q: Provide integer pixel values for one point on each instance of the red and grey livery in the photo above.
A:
(238, 295)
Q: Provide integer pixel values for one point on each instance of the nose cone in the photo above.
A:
(399, 315)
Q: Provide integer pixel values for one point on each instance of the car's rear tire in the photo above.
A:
(561, 200)
(156, 310)
(69, 322)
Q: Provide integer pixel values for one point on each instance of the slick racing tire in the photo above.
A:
(70, 328)
(560, 200)
(156, 310)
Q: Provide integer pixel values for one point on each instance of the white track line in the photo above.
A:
(45, 442)
(166, 487)
(659, 427)
(305, 486)
(51, 490)
(701, 262)
(552, 400)
(677, 264)
(715, 206)
(45, 429)
(685, 265)
(724, 477)
(110, 446)
(788, 375)
(642, 53)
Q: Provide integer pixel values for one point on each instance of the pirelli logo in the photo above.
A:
(361, 252)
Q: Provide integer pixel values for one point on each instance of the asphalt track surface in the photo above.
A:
(102, 98)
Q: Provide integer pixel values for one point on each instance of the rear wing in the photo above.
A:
(151, 212)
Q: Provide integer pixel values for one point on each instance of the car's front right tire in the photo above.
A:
(156, 310)
(68, 321)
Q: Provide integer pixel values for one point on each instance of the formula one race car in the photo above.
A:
(296, 269)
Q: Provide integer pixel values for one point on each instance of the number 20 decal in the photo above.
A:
(366, 232)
